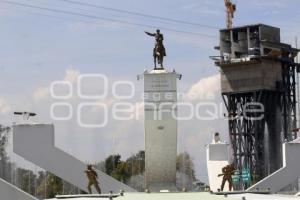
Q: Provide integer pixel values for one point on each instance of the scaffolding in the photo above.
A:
(258, 81)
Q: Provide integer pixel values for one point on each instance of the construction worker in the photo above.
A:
(92, 177)
(227, 172)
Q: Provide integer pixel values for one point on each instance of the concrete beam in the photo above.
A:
(9, 191)
(35, 143)
(285, 175)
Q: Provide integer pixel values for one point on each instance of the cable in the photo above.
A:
(140, 14)
(41, 14)
(102, 18)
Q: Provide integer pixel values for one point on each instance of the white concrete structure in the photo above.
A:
(217, 157)
(160, 98)
(35, 143)
(11, 192)
(285, 175)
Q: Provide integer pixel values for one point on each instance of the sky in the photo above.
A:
(40, 47)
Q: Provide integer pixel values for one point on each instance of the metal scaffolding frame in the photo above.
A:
(256, 68)
(256, 141)
(289, 102)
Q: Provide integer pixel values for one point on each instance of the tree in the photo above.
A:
(136, 163)
(49, 185)
(185, 165)
(132, 170)
(111, 163)
(5, 165)
(26, 180)
(3, 141)
(117, 168)
(121, 172)
(185, 171)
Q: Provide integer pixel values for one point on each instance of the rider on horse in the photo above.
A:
(159, 49)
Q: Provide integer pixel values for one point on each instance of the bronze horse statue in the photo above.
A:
(158, 56)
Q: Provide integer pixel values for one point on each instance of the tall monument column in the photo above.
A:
(160, 97)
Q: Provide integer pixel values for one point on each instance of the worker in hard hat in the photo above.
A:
(92, 178)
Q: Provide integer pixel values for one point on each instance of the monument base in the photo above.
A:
(160, 92)
(161, 186)
(159, 68)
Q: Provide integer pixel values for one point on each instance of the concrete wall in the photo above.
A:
(35, 143)
(269, 33)
(161, 133)
(237, 41)
(11, 192)
(217, 157)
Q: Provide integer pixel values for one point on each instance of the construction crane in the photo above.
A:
(230, 9)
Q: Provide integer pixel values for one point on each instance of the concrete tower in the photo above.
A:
(160, 96)
(258, 73)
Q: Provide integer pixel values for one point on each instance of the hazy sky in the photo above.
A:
(39, 47)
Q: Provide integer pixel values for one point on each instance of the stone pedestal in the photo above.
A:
(160, 96)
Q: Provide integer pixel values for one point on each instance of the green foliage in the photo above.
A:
(117, 168)
(5, 165)
(123, 170)
(49, 186)
(26, 180)
(3, 141)
(185, 165)
(111, 163)
(136, 163)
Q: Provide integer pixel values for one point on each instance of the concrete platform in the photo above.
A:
(184, 196)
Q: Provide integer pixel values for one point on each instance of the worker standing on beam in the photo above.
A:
(227, 173)
(92, 177)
